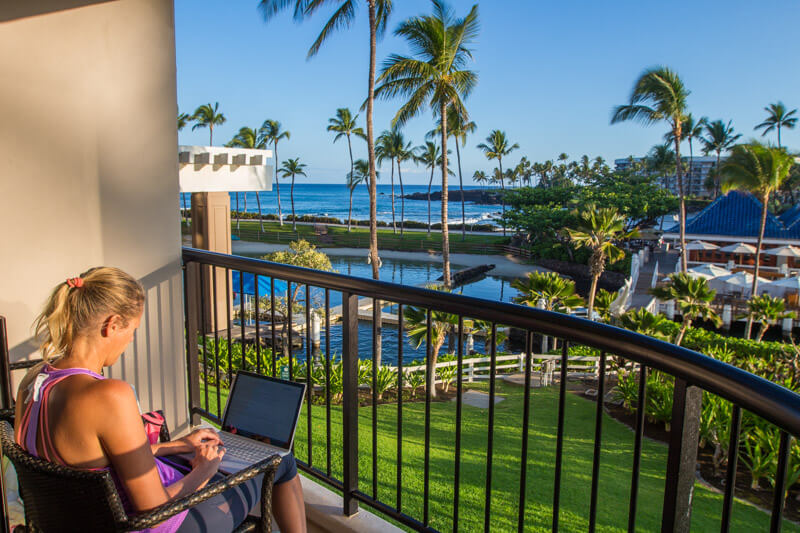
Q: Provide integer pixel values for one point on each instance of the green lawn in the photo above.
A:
(615, 467)
(358, 237)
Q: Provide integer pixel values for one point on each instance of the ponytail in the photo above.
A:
(78, 304)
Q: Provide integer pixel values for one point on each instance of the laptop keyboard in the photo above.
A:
(245, 449)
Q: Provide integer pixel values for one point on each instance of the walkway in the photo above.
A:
(666, 265)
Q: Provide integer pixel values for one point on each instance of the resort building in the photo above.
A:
(694, 178)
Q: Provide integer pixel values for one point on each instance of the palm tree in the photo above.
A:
(344, 124)
(602, 303)
(691, 130)
(777, 117)
(359, 175)
(430, 155)
(254, 139)
(497, 147)
(403, 152)
(436, 74)
(293, 167)
(273, 134)
(766, 310)
(183, 120)
(458, 130)
(385, 149)
(417, 330)
(659, 94)
(761, 170)
(207, 116)
(661, 160)
(343, 17)
(693, 297)
(597, 230)
(556, 293)
(480, 177)
(719, 138)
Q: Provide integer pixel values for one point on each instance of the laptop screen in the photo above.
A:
(263, 408)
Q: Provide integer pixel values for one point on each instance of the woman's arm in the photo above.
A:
(187, 444)
(124, 441)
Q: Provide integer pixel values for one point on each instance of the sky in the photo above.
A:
(549, 74)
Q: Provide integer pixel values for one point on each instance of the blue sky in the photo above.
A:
(549, 73)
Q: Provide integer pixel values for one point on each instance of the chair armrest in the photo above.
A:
(155, 516)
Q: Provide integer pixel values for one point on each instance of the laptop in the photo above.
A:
(260, 419)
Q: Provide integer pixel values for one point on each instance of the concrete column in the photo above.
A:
(211, 230)
(470, 343)
(315, 332)
(670, 312)
(786, 326)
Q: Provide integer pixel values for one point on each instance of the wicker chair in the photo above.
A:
(60, 498)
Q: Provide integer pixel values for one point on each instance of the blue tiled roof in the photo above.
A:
(738, 214)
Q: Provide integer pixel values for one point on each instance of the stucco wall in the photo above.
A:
(89, 173)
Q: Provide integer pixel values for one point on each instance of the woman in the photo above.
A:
(67, 412)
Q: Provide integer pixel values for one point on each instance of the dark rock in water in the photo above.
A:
(477, 196)
(468, 274)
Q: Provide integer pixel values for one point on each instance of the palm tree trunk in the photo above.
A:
(691, 159)
(682, 212)
(278, 185)
(394, 227)
(350, 211)
(445, 229)
(432, 360)
(779, 135)
(258, 202)
(430, 182)
(402, 198)
(461, 188)
(238, 218)
(685, 325)
(211, 135)
(754, 291)
(291, 198)
(502, 194)
(352, 170)
(373, 187)
(716, 176)
(592, 292)
(761, 330)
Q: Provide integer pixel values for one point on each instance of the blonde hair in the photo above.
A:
(73, 309)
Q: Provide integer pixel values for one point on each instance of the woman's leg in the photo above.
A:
(288, 506)
(225, 511)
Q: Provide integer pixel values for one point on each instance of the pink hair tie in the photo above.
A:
(75, 283)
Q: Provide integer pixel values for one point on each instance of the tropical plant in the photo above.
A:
(343, 17)
(436, 75)
(497, 147)
(273, 134)
(344, 125)
(598, 230)
(603, 300)
(691, 130)
(415, 380)
(761, 170)
(557, 293)
(403, 152)
(206, 116)
(777, 117)
(693, 297)
(292, 168)
(385, 379)
(643, 321)
(303, 254)
(766, 310)
(417, 330)
(719, 138)
(254, 139)
(659, 95)
(480, 177)
(387, 147)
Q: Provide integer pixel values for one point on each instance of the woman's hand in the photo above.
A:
(201, 436)
(207, 457)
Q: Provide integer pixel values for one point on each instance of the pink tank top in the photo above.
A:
(35, 419)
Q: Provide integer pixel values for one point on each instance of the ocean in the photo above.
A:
(332, 200)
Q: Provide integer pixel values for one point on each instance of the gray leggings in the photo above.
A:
(225, 511)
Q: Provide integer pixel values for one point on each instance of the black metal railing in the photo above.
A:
(267, 320)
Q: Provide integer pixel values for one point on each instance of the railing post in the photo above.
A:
(350, 401)
(682, 457)
(192, 303)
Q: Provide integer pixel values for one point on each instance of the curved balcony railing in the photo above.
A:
(208, 279)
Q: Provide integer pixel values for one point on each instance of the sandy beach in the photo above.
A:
(506, 266)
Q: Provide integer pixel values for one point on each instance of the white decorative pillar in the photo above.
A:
(670, 305)
(727, 316)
